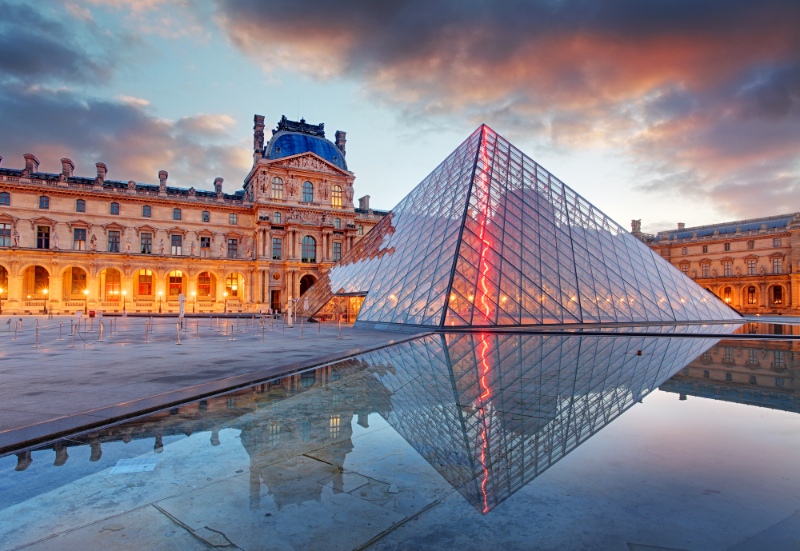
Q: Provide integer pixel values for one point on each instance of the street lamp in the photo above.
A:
(194, 299)
(45, 291)
(123, 300)
(86, 301)
(160, 296)
(225, 300)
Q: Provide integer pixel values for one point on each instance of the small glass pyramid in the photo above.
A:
(491, 239)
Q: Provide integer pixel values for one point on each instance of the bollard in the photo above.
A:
(301, 326)
(100, 331)
(60, 331)
(71, 328)
(73, 340)
(197, 329)
(340, 328)
(178, 329)
(37, 335)
(91, 326)
(262, 330)
(15, 332)
(230, 333)
(146, 329)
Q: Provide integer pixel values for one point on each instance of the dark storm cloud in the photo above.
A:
(134, 144)
(704, 90)
(37, 49)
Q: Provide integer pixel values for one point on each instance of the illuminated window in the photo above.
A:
(204, 285)
(334, 426)
(146, 211)
(113, 285)
(308, 192)
(751, 295)
(80, 205)
(277, 245)
(777, 295)
(114, 208)
(277, 188)
(726, 294)
(309, 249)
(175, 283)
(146, 241)
(336, 197)
(78, 281)
(145, 282)
(41, 279)
(232, 285)
(176, 241)
(44, 202)
(79, 239)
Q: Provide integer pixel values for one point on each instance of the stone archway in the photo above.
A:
(306, 282)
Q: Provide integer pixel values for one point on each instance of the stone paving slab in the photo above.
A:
(51, 387)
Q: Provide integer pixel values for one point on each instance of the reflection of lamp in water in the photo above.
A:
(45, 291)
(194, 299)
(160, 296)
(123, 300)
(86, 301)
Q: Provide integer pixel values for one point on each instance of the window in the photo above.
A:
(146, 211)
(204, 285)
(308, 192)
(337, 223)
(684, 251)
(5, 235)
(79, 239)
(777, 265)
(276, 218)
(751, 295)
(206, 216)
(42, 237)
(145, 282)
(232, 219)
(777, 295)
(146, 240)
(336, 197)
(705, 248)
(337, 251)
(5, 198)
(232, 285)
(113, 280)
(751, 245)
(44, 202)
(727, 267)
(779, 382)
(114, 208)
(80, 205)
(685, 269)
(360, 230)
(753, 379)
(729, 377)
(78, 281)
(706, 374)
(205, 246)
(233, 248)
(751, 267)
(177, 244)
(277, 188)
(778, 359)
(704, 269)
(176, 214)
(41, 279)
(776, 242)
(277, 244)
(175, 282)
(727, 247)
(726, 294)
(309, 249)
(113, 241)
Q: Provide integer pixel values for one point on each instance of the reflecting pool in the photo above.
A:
(448, 440)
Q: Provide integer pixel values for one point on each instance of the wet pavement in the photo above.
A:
(445, 441)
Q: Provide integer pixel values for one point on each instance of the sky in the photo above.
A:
(661, 110)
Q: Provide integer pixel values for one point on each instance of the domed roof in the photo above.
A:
(293, 138)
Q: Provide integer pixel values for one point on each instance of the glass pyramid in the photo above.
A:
(491, 239)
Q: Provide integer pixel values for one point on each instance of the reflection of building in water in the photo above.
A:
(273, 427)
(759, 373)
(492, 412)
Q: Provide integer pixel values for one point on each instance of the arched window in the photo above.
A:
(145, 286)
(726, 295)
(309, 249)
(337, 223)
(175, 283)
(204, 284)
(113, 285)
(751, 295)
(336, 197)
(80, 205)
(308, 192)
(115, 208)
(777, 295)
(277, 188)
(276, 218)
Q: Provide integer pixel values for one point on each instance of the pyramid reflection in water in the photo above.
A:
(492, 239)
(491, 412)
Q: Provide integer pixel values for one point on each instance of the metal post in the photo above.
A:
(340, 328)
(37, 335)
(60, 331)
(197, 329)
(262, 330)
(302, 319)
(15, 331)
(100, 331)
(73, 339)
(146, 330)
(230, 333)
(178, 329)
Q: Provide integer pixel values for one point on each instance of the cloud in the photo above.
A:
(703, 95)
(133, 143)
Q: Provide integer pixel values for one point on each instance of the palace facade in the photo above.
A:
(752, 265)
(71, 243)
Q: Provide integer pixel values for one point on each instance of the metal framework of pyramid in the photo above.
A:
(491, 239)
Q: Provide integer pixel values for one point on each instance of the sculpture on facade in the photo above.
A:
(16, 237)
(55, 241)
(192, 250)
(128, 246)
(161, 247)
(93, 242)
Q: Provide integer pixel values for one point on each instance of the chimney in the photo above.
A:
(341, 141)
(162, 180)
(218, 186)
(31, 164)
(681, 226)
(102, 170)
(67, 167)
(258, 137)
(363, 203)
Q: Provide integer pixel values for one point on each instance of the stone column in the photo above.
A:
(56, 292)
(13, 294)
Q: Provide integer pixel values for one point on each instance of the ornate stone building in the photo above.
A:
(749, 264)
(69, 243)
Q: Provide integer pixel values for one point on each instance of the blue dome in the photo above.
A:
(286, 144)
